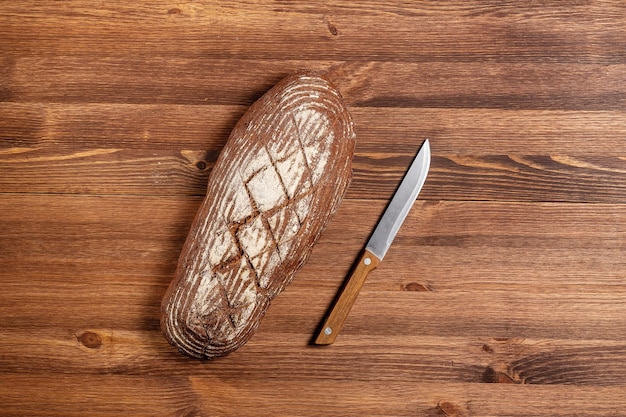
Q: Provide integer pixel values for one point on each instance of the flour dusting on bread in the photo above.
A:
(279, 179)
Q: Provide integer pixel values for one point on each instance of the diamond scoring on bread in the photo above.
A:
(280, 177)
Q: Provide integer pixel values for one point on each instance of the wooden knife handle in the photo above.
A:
(339, 312)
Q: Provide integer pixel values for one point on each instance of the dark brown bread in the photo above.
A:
(278, 180)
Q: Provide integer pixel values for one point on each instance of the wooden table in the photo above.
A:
(503, 295)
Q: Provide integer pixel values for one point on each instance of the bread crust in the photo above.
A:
(281, 175)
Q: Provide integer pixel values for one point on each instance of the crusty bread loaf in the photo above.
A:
(279, 178)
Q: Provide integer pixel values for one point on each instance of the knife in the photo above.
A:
(377, 246)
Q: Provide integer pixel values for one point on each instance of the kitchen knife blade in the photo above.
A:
(378, 244)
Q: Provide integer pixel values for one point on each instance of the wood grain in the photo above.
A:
(503, 294)
(563, 31)
(542, 86)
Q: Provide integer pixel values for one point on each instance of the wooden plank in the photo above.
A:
(394, 358)
(208, 396)
(106, 171)
(472, 246)
(504, 314)
(135, 305)
(56, 237)
(170, 171)
(510, 244)
(127, 126)
(476, 31)
(173, 150)
(381, 130)
(491, 131)
(538, 86)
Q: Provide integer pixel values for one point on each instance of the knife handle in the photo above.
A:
(339, 312)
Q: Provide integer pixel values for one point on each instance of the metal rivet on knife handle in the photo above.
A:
(379, 243)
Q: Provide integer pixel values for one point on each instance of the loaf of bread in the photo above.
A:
(281, 175)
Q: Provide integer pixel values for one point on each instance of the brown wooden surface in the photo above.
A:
(504, 294)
